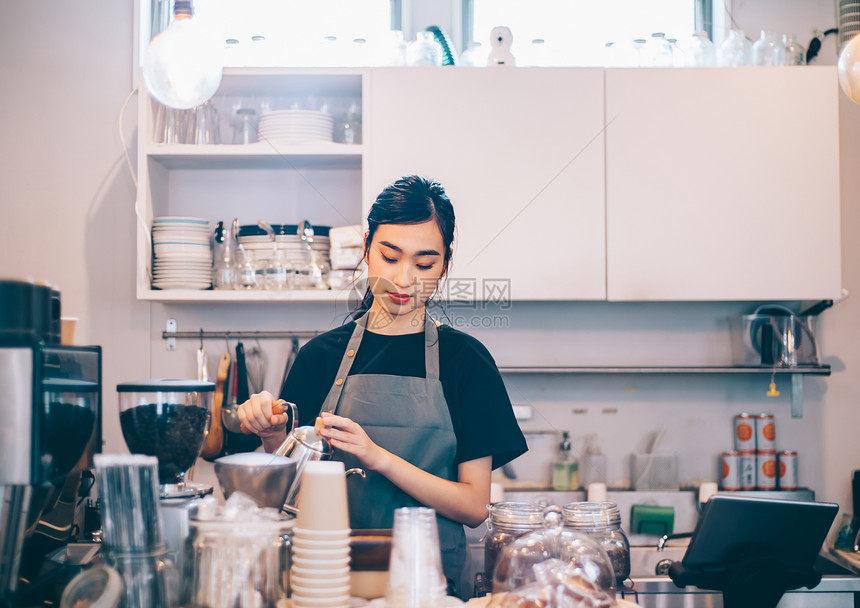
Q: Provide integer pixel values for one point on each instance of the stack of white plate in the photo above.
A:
(296, 126)
(182, 257)
(257, 241)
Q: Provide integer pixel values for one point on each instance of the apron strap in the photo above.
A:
(431, 348)
(334, 392)
(431, 359)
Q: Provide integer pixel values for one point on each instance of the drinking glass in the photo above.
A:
(245, 126)
(246, 271)
(204, 128)
(415, 577)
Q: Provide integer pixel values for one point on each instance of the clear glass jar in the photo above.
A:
(658, 51)
(768, 50)
(601, 521)
(551, 560)
(506, 522)
(424, 50)
(795, 54)
(696, 52)
(735, 51)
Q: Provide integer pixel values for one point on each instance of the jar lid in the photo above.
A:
(517, 514)
(166, 386)
(590, 515)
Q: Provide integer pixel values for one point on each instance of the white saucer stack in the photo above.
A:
(296, 126)
(319, 577)
(182, 257)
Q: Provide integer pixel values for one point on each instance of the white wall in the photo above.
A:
(67, 204)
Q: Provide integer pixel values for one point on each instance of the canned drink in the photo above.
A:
(765, 432)
(748, 471)
(788, 470)
(730, 477)
(765, 470)
(745, 432)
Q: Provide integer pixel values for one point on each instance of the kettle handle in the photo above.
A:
(279, 408)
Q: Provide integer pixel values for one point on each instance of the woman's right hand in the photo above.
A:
(257, 416)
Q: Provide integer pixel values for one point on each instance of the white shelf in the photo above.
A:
(259, 155)
(216, 295)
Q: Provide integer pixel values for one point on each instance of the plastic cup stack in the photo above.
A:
(415, 577)
(319, 576)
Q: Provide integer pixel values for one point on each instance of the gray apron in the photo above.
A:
(409, 417)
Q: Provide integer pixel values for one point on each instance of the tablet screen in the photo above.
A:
(732, 528)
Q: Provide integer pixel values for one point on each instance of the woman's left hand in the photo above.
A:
(347, 435)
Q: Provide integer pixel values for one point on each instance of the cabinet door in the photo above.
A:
(722, 184)
(520, 153)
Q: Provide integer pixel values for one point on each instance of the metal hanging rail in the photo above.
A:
(234, 335)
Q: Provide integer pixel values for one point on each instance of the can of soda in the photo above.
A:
(745, 432)
(788, 470)
(765, 470)
(748, 471)
(730, 477)
(765, 432)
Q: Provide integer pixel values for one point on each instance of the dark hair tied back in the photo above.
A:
(413, 199)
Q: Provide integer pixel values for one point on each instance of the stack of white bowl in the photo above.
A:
(297, 126)
(182, 257)
(319, 577)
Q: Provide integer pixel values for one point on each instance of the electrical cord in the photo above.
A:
(131, 169)
(815, 43)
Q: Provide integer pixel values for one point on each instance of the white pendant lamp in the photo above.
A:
(182, 66)
(848, 68)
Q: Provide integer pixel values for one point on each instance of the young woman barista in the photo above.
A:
(422, 408)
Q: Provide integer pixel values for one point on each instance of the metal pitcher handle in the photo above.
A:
(356, 471)
(281, 406)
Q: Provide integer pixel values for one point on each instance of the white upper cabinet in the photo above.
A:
(722, 184)
(521, 154)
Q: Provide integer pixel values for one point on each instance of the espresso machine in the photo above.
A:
(50, 406)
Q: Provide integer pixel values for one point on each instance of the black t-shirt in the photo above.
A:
(480, 408)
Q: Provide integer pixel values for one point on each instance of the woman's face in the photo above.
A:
(404, 265)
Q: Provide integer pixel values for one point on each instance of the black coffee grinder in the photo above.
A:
(51, 412)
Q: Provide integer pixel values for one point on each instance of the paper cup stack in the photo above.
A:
(319, 576)
(182, 258)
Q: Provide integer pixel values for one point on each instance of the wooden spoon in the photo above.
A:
(215, 439)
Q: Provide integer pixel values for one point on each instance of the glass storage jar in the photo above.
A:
(601, 521)
(506, 522)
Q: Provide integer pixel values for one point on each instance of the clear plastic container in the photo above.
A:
(601, 521)
(506, 522)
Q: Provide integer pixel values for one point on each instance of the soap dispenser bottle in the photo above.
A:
(593, 463)
(565, 470)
